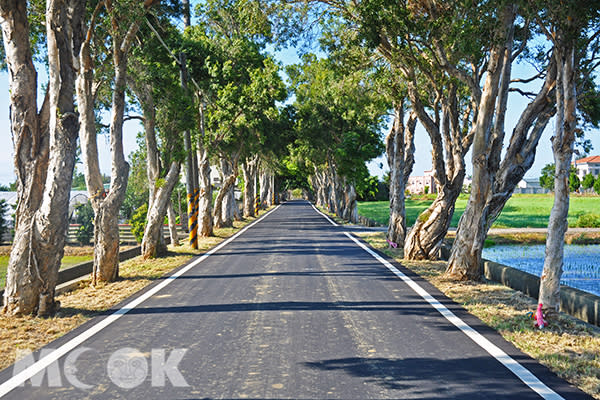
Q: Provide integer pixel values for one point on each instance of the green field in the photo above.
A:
(521, 211)
(67, 261)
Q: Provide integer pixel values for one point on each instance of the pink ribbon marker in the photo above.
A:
(394, 245)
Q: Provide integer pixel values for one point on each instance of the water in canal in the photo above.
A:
(581, 268)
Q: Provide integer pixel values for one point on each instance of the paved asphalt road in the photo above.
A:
(292, 308)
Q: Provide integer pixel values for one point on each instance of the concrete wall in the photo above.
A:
(85, 268)
(577, 303)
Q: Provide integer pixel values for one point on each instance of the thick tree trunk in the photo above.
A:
(320, 186)
(205, 220)
(172, 225)
(226, 208)
(228, 181)
(153, 241)
(271, 191)
(400, 154)
(45, 146)
(249, 170)
(493, 190)
(229, 207)
(562, 148)
(426, 236)
(351, 206)
(106, 222)
(465, 257)
(264, 188)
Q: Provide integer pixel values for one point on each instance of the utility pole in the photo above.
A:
(191, 161)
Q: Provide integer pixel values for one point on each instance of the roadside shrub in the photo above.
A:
(588, 181)
(597, 185)
(297, 193)
(85, 219)
(588, 221)
(138, 222)
(574, 182)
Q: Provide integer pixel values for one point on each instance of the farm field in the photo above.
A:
(521, 211)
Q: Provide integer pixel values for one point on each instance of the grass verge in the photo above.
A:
(67, 261)
(521, 210)
(568, 346)
(78, 306)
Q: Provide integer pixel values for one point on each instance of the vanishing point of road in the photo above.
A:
(292, 307)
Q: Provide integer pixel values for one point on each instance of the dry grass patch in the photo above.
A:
(78, 306)
(569, 347)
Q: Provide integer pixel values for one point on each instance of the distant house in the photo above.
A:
(530, 186)
(588, 165)
(417, 184)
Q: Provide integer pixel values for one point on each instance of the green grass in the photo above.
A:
(67, 261)
(521, 211)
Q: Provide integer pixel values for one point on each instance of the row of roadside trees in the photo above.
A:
(207, 94)
(452, 67)
(210, 95)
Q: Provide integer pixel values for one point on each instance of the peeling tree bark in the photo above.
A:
(152, 243)
(106, 205)
(205, 220)
(264, 187)
(400, 149)
(45, 145)
(494, 180)
(249, 169)
(228, 182)
(426, 236)
(172, 225)
(351, 206)
(465, 256)
(562, 147)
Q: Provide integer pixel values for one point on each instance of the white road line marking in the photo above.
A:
(323, 215)
(520, 371)
(43, 363)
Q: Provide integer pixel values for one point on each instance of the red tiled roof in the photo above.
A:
(591, 159)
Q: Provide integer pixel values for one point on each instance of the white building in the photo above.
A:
(417, 184)
(588, 165)
(530, 186)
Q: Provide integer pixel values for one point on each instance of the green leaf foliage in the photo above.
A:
(138, 222)
(85, 219)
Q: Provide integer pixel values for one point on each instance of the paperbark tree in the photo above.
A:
(569, 26)
(205, 220)
(495, 178)
(229, 168)
(450, 140)
(160, 188)
(264, 183)
(172, 225)
(400, 149)
(249, 169)
(45, 144)
(153, 241)
(107, 204)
